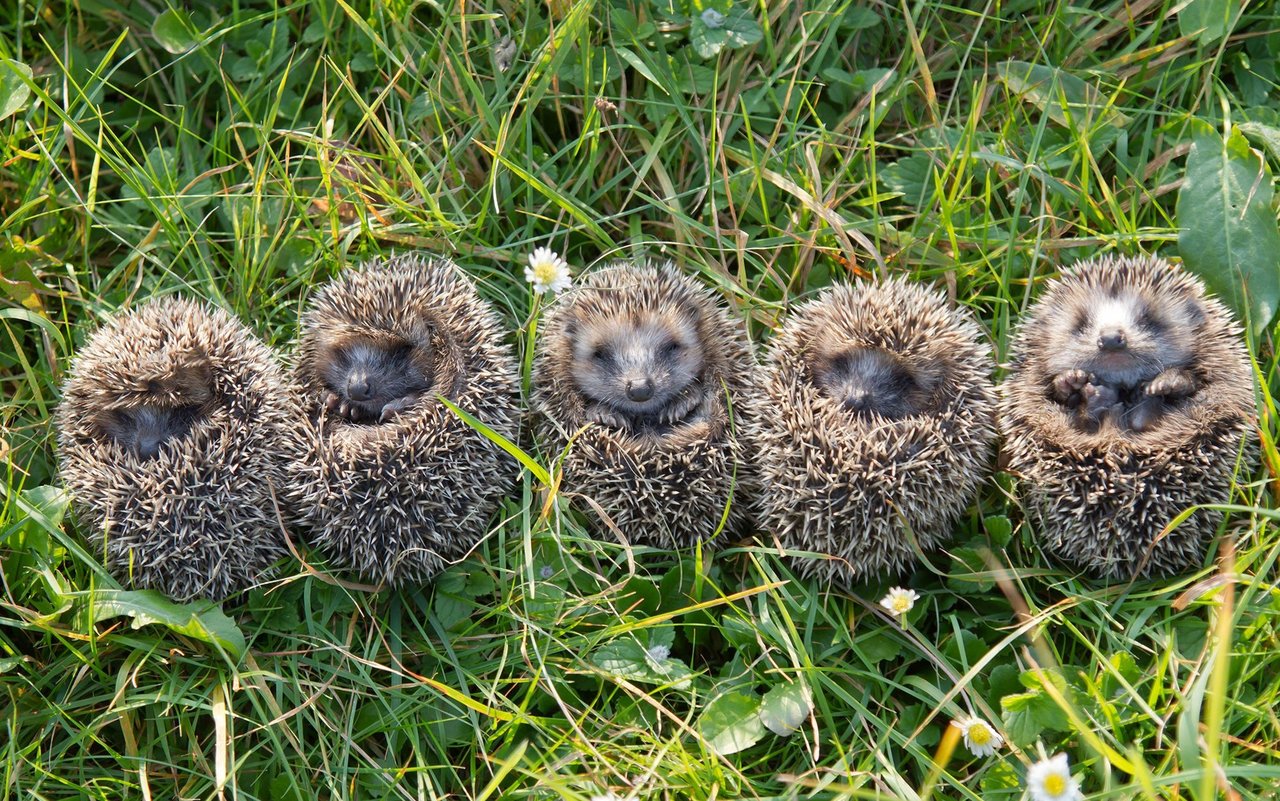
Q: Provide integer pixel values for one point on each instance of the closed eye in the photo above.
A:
(672, 348)
(1082, 323)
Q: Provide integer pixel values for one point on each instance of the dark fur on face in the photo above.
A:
(1121, 356)
(638, 370)
(372, 379)
(870, 381)
(160, 407)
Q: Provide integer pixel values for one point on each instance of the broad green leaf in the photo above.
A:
(999, 529)
(786, 707)
(731, 723)
(998, 779)
(859, 18)
(877, 647)
(1027, 715)
(912, 177)
(1212, 19)
(1068, 100)
(713, 30)
(1266, 135)
(174, 31)
(201, 620)
(626, 658)
(29, 543)
(13, 88)
(1228, 231)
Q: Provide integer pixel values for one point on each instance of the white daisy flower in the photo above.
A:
(900, 601)
(547, 271)
(1050, 780)
(979, 736)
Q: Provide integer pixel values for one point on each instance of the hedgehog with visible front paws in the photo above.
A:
(1129, 400)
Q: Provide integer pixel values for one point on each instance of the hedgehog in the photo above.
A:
(1128, 400)
(875, 429)
(390, 482)
(639, 371)
(169, 434)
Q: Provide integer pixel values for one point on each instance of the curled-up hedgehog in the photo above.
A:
(391, 482)
(875, 427)
(644, 371)
(169, 435)
(1129, 400)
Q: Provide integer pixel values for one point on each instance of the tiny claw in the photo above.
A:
(331, 401)
(395, 407)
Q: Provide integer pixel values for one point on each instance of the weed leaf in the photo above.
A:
(200, 620)
(1212, 19)
(732, 723)
(785, 707)
(13, 88)
(1228, 231)
(1068, 100)
(713, 30)
(174, 31)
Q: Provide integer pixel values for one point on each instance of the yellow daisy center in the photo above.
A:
(545, 271)
(979, 734)
(901, 603)
(1055, 784)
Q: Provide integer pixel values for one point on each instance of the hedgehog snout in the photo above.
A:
(858, 399)
(1112, 340)
(639, 388)
(360, 387)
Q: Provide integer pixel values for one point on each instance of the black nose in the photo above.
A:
(640, 390)
(148, 447)
(858, 400)
(359, 388)
(1112, 340)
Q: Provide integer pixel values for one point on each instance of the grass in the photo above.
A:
(248, 151)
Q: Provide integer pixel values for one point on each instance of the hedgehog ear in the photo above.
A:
(572, 327)
(1195, 314)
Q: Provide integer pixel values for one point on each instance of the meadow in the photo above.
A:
(245, 152)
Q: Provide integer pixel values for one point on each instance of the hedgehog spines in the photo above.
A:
(664, 472)
(848, 479)
(1100, 487)
(168, 436)
(396, 497)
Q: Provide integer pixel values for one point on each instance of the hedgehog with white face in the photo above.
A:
(169, 435)
(875, 427)
(1128, 401)
(392, 483)
(657, 367)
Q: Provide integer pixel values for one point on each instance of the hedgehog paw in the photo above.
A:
(598, 414)
(1100, 401)
(1172, 383)
(1068, 384)
(332, 402)
(396, 407)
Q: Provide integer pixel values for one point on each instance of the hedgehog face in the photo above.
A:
(161, 406)
(372, 379)
(1122, 337)
(870, 381)
(639, 366)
